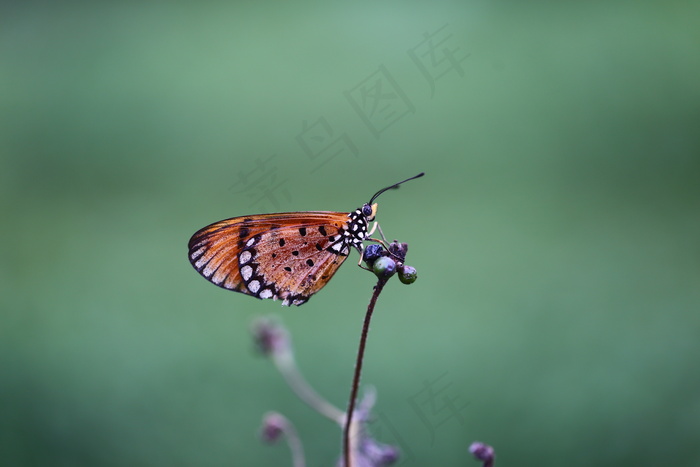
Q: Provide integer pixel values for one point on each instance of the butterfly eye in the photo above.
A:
(367, 210)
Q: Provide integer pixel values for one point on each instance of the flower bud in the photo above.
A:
(270, 337)
(398, 250)
(407, 274)
(384, 267)
(483, 452)
(273, 427)
(371, 253)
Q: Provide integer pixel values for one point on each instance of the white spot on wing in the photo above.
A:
(336, 246)
(201, 262)
(244, 257)
(250, 242)
(267, 293)
(246, 272)
(254, 286)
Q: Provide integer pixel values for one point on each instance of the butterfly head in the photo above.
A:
(369, 211)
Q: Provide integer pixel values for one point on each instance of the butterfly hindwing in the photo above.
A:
(289, 256)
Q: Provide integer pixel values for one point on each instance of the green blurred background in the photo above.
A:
(555, 234)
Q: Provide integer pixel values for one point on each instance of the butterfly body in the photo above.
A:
(288, 256)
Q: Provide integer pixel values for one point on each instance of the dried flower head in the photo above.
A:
(483, 452)
(270, 337)
(274, 426)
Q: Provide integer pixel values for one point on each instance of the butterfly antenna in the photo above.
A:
(396, 185)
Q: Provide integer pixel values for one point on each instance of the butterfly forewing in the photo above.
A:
(289, 256)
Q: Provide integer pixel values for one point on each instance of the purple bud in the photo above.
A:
(371, 253)
(269, 336)
(483, 452)
(273, 427)
(384, 454)
(398, 249)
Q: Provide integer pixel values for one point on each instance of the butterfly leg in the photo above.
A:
(381, 241)
(369, 238)
(374, 227)
(362, 255)
(381, 234)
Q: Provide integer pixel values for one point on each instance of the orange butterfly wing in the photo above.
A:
(289, 256)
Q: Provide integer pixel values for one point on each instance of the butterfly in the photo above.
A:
(288, 256)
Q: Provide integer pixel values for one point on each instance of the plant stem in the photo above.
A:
(295, 447)
(358, 370)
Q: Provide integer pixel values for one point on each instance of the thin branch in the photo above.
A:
(358, 370)
(295, 447)
(276, 426)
